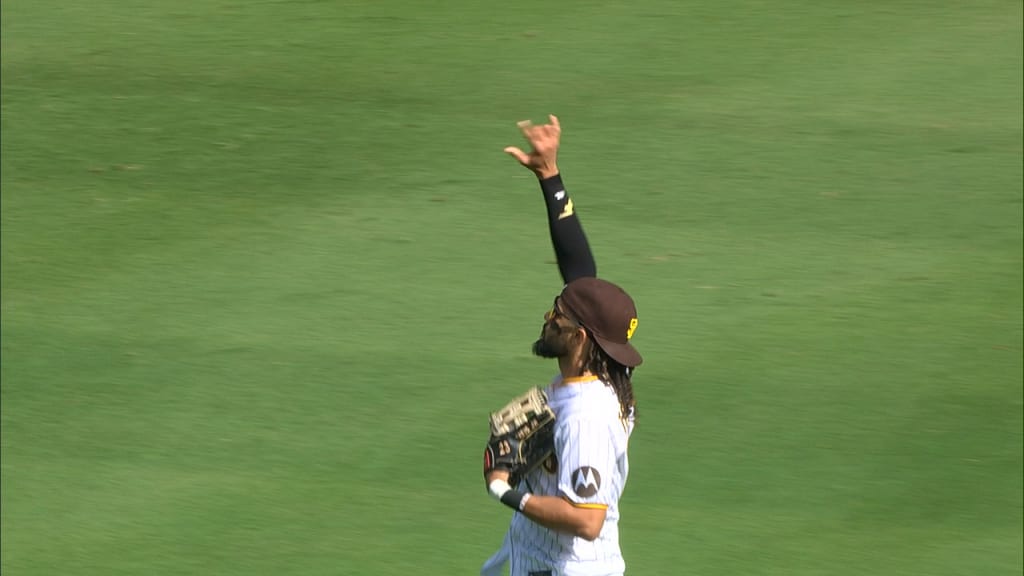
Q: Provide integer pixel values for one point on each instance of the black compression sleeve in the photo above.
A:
(571, 247)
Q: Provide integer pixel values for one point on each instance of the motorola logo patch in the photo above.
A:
(586, 481)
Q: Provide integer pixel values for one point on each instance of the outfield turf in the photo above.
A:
(265, 270)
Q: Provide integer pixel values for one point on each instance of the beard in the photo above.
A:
(546, 349)
(550, 346)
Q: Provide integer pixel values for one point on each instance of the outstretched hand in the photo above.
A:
(543, 155)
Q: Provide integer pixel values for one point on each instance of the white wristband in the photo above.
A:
(497, 488)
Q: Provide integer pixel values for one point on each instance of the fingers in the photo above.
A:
(543, 139)
(527, 127)
(518, 154)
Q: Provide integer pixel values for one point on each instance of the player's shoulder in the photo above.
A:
(597, 403)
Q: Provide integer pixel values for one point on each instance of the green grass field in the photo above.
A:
(265, 270)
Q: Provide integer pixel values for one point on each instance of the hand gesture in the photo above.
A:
(544, 140)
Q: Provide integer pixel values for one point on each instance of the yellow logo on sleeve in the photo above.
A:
(567, 211)
(632, 328)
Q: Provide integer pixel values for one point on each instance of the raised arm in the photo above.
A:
(572, 250)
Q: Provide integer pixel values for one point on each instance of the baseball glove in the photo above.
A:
(522, 435)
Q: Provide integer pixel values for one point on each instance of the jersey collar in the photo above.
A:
(579, 379)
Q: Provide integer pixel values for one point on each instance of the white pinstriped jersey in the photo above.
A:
(589, 469)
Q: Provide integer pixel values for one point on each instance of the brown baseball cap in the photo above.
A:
(608, 313)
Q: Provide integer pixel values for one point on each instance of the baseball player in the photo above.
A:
(567, 510)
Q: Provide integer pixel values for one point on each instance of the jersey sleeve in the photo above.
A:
(587, 460)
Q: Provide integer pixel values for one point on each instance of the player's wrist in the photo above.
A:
(546, 173)
(498, 487)
(515, 500)
(503, 492)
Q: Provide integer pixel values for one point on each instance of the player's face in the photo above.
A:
(557, 335)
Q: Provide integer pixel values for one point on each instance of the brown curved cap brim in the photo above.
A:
(624, 354)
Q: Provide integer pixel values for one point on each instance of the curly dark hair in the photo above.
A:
(616, 375)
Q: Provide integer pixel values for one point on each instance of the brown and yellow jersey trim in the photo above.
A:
(586, 506)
